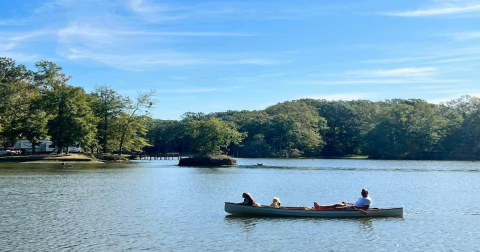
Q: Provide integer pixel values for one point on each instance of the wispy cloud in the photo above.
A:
(20, 57)
(398, 72)
(142, 6)
(252, 78)
(13, 22)
(155, 12)
(102, 42)
(48, 6)
(140, 61)
(28, 35)
(408, 75)
(462, 36)
(198, 90)
(101, 33)
(10, 40)
(436, 11)
(339, 96)
(436, 55)
(375, 81)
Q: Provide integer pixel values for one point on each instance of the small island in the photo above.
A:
(208, 160)
(209, 138)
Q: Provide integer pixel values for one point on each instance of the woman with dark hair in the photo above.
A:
(247, 200)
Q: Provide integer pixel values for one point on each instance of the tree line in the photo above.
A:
(41, 104)
(390, 129)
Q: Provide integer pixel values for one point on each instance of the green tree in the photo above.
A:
(407, 131)
(71, 118)
(167, 136)
(294, 129)
(465, 139)
(144, 100)
(212, 135)
(16, 93)
(34, 123)
(107, 105)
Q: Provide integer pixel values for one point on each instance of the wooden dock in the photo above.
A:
(156, 156)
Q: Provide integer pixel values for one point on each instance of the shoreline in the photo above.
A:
(58, 158)
(45, 158)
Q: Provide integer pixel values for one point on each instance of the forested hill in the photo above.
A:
(391, 129)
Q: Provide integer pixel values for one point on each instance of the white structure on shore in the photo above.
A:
(44, 146)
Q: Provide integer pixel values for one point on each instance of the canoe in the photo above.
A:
(266, 211)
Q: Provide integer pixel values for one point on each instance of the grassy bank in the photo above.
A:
(45, 158)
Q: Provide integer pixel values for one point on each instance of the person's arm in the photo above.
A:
(243, 203)
(247, 201)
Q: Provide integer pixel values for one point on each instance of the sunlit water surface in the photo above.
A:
(158, 206)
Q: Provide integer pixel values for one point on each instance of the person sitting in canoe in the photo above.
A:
(276, 203)
(248, 200)
(362, 203)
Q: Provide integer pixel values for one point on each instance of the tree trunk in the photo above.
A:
(105, 128)
(33, 147)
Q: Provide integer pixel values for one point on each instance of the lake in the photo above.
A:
(157, 206)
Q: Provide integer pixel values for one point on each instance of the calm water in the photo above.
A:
(156, 206)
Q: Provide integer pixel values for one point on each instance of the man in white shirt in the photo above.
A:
(362, 203)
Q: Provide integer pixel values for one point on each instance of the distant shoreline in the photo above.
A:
(82, 158)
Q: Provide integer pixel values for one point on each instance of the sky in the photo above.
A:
(214, 56)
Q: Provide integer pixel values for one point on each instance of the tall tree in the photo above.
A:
(34, 123)
(16, 92)
(107, 105)
(71, 117)
(143, 102)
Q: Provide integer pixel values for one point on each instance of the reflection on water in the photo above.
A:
(365, 224)
(246, 223)
(249, 223)
(157, 206)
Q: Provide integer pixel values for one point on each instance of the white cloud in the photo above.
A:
(436, 11)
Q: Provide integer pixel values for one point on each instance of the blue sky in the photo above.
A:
(211, 56)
